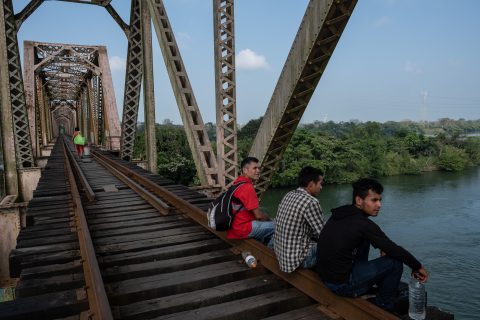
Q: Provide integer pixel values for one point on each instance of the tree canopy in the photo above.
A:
(345, 151)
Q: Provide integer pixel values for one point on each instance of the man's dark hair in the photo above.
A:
(361, 187)
(308, 174)
(76, 129)
(248, 160)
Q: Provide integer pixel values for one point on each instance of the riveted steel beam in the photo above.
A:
(125, 28)
(225, 91)
(205, 160)
(316, 39)
(98, 92)
(133, 82)
(23, 150)
(26, 12)
(148, 90)
(111, 120)
(93, 127)
(6, 125)
(30, 91)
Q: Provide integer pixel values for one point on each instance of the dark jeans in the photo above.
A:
(385, 272)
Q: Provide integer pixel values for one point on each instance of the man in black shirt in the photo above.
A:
(344, 243)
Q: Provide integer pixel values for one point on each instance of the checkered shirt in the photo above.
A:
(299, 220)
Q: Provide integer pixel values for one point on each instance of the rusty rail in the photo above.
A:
(144, 193)
(304, 280)
(79, 173)
(97, 297)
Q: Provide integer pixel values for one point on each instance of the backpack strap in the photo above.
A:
(235, 187)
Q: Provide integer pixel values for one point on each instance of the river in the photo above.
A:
(436, 216)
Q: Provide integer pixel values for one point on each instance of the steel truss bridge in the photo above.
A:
(68, 85)
(101, 238)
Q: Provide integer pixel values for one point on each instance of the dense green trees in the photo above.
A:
(174, 159)
(345, 151)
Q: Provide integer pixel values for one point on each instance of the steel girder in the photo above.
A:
(93, 125)
(225, 91)
(133, 82)
(38, 91)
(23, 149)
(148, 90)
(316, 39)
(26, 12)
(205, 160)
(100, 111)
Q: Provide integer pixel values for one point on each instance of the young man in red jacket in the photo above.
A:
(250, 221)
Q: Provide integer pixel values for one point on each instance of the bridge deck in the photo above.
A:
(153, 265)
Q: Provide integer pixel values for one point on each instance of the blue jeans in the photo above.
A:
(263, 231)
(385, 272)
(310, 259)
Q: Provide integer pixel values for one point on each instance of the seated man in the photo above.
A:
(343, 246)
(250, 221)
(299, 222)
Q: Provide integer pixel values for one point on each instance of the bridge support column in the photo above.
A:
(92, 134)
(11, 217)
(28, 178)
(112, 122)
(148, 90)
(6, 125)
(29, 82)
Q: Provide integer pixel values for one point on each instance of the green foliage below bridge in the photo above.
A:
(345, 151)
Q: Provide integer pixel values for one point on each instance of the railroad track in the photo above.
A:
(106, 239)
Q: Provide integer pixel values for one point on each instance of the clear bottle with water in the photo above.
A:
(416, 300)
(249, 259)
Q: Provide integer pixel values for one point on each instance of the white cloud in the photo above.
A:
(249, 60)
(117, 63)
(411, 67)
(183, 40)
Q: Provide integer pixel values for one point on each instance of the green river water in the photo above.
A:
(436, 216)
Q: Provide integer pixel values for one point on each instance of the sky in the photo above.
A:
(396, 59)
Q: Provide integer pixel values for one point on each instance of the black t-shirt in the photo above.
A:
(343, 234)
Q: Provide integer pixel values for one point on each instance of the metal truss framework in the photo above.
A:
(133, 82)
(98, 92)
(202, 151)
(23, 145)
(65, 72)
(225, 91)
(317, 37)
(63, 77)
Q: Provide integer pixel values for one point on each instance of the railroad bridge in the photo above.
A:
(99, 237)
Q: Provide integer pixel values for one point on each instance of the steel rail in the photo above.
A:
(304, 280)
(79, 172)
(151, 198)
(97, 297)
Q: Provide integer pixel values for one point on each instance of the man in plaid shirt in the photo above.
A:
(299, 222)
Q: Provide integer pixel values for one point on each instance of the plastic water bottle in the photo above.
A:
(416, 300)
(249, 259)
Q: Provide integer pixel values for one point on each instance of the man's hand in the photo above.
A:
(259, 215)
(420, 274)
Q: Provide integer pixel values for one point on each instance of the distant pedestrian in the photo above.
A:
(79, 141)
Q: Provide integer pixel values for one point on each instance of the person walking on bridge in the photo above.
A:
(344, 244)
(78, 141)
(250, 221)
(299, 222)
